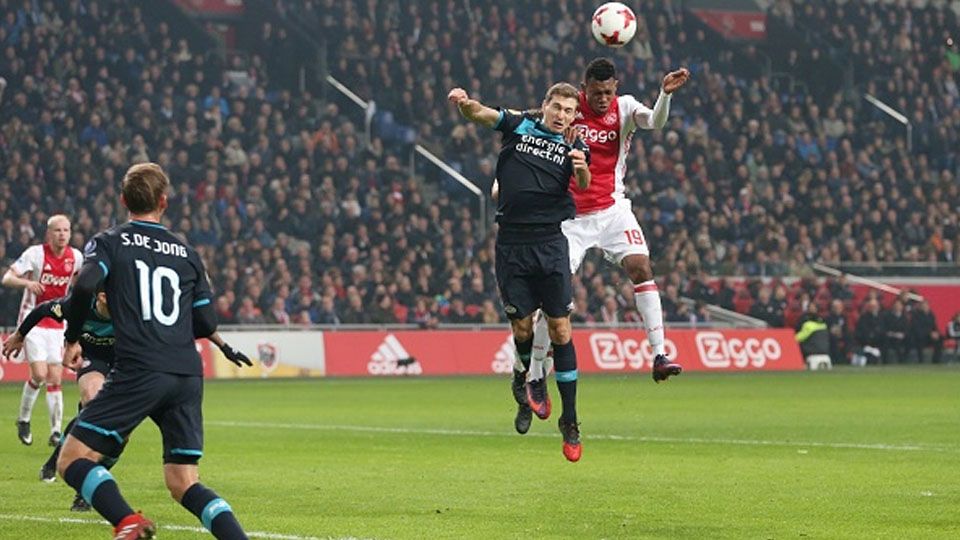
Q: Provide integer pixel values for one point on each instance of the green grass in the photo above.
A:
(851, 454)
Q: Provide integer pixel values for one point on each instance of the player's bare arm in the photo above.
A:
(581, 169)
(11, 279)
(472, 109)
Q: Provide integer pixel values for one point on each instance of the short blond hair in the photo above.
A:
(562, 90)
(57, 217)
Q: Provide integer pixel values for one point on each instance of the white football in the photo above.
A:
(613, 24)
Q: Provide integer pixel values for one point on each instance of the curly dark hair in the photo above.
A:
(600, 69)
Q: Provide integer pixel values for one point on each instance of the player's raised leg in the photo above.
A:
(581, 235)
(513, 269)
(523, 341)
(555, 292)
(538, 397)
(565, 363)
(623, 241)
(647, 297)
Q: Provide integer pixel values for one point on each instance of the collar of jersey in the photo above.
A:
(533, 127)
(147, 224)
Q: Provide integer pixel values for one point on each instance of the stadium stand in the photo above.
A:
(301, 221)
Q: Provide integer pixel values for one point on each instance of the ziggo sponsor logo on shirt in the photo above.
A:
(593, 135)
(54, 281)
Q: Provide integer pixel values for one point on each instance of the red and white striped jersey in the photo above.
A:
(608, 136)
(39, 263)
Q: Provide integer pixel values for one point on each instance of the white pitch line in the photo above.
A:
(588, 436)
(198, 530)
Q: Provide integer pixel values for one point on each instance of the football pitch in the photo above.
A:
(871, 453)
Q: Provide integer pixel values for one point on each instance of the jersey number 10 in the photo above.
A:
(151, 293)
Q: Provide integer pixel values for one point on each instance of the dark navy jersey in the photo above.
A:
(97, 338)
(534, 172)
(153, 282)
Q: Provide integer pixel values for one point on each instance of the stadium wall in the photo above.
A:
(285, 353)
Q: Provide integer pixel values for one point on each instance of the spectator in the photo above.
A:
(328, 312)
(924, 333)
(355, 313)
(490, 315)
(278, 312)
(868, 334)
(458, 313)
(265, 170)
(767, 309)
(894, 325)
(249, 313)
(814, 338)
(840, 337)
(224, 312)
(953, 332)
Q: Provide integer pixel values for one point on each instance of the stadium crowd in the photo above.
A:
(300, 220)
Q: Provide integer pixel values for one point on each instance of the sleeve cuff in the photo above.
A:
(499, 120)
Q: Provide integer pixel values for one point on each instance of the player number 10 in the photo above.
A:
(154, 284)
(634, 237)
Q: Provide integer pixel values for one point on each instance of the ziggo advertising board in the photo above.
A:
(458, 352)
(482, 352)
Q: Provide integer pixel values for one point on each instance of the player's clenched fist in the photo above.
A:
(72, 355)
(579, 160)
(457, 96)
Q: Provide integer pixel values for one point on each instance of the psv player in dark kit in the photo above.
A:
(532, 255)
(96, 340)
(159, 299)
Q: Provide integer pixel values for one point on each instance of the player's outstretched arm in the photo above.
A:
(51, 308)
(472, 109)
(229, 352)
(674, 80)
(656, 118)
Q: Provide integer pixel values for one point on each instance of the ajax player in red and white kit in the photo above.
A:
(44, 272)
(607, 122)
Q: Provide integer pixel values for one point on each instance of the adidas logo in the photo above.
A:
(505, 357)
(391, 358)
(47, 267)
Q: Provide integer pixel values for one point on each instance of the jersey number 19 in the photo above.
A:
(151, 286)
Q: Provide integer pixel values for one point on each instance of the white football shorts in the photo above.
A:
(615, 230)
(44, 345)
